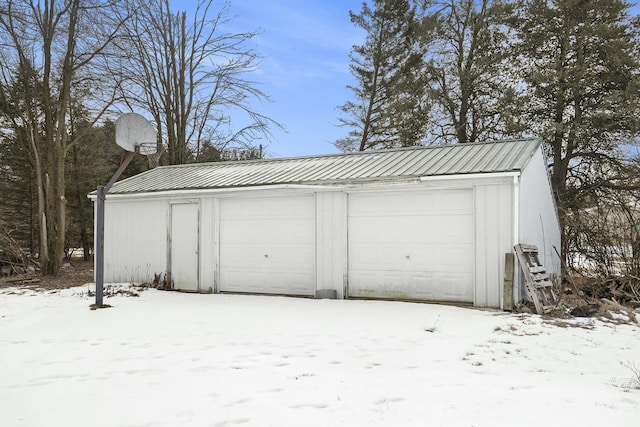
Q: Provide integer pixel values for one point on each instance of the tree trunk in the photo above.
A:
(55, 210)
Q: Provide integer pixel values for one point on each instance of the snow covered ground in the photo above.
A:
(174, 359)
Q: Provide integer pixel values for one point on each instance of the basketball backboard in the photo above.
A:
(135, 133)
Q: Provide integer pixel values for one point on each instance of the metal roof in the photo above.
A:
(383, 165)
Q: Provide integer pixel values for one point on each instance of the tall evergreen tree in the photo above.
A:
(18, 213)
(582, 83)
(388, 109)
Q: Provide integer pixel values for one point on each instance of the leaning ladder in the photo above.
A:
(537, 280)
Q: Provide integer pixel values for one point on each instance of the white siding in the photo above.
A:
(538, 223)
(493, 238)
(208, 246)
(331, 241)
(135, 245)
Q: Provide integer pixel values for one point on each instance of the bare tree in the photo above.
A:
(191, 75)
(49, 48)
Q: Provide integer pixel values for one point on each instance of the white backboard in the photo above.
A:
(135, 133)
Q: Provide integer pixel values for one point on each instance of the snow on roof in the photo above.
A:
(383, 165)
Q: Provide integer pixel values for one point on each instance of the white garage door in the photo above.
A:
(414, 245)
(267, 245)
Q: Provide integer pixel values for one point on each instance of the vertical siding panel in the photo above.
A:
(494, 256)
(480, 220)
(135, 244)
(207, 244)
(216, 245)
(493, 229)
(331, 237)
(506, 230)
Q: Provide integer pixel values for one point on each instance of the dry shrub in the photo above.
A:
(633, 382)
(611, 299)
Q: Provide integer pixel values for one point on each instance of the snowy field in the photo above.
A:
(172, 359)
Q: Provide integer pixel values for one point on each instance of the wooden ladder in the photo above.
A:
(537, 280)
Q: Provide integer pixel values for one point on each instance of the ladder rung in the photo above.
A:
(544, 274)
(545, 284)
(540, 278)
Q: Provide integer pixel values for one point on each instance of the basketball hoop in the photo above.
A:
(137, 136)
(151, 152)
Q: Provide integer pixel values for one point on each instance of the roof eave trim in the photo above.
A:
(471, 176)
(219, 190)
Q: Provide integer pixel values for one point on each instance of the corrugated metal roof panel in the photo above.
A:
(488, 157)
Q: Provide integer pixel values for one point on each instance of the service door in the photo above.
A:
(184, 246)
(267, 245)
(413, 245)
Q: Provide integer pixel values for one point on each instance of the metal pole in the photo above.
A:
(99, 255)
(99, 245)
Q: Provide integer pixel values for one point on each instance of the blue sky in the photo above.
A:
(305, 68)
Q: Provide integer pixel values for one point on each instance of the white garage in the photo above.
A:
(421, 223)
